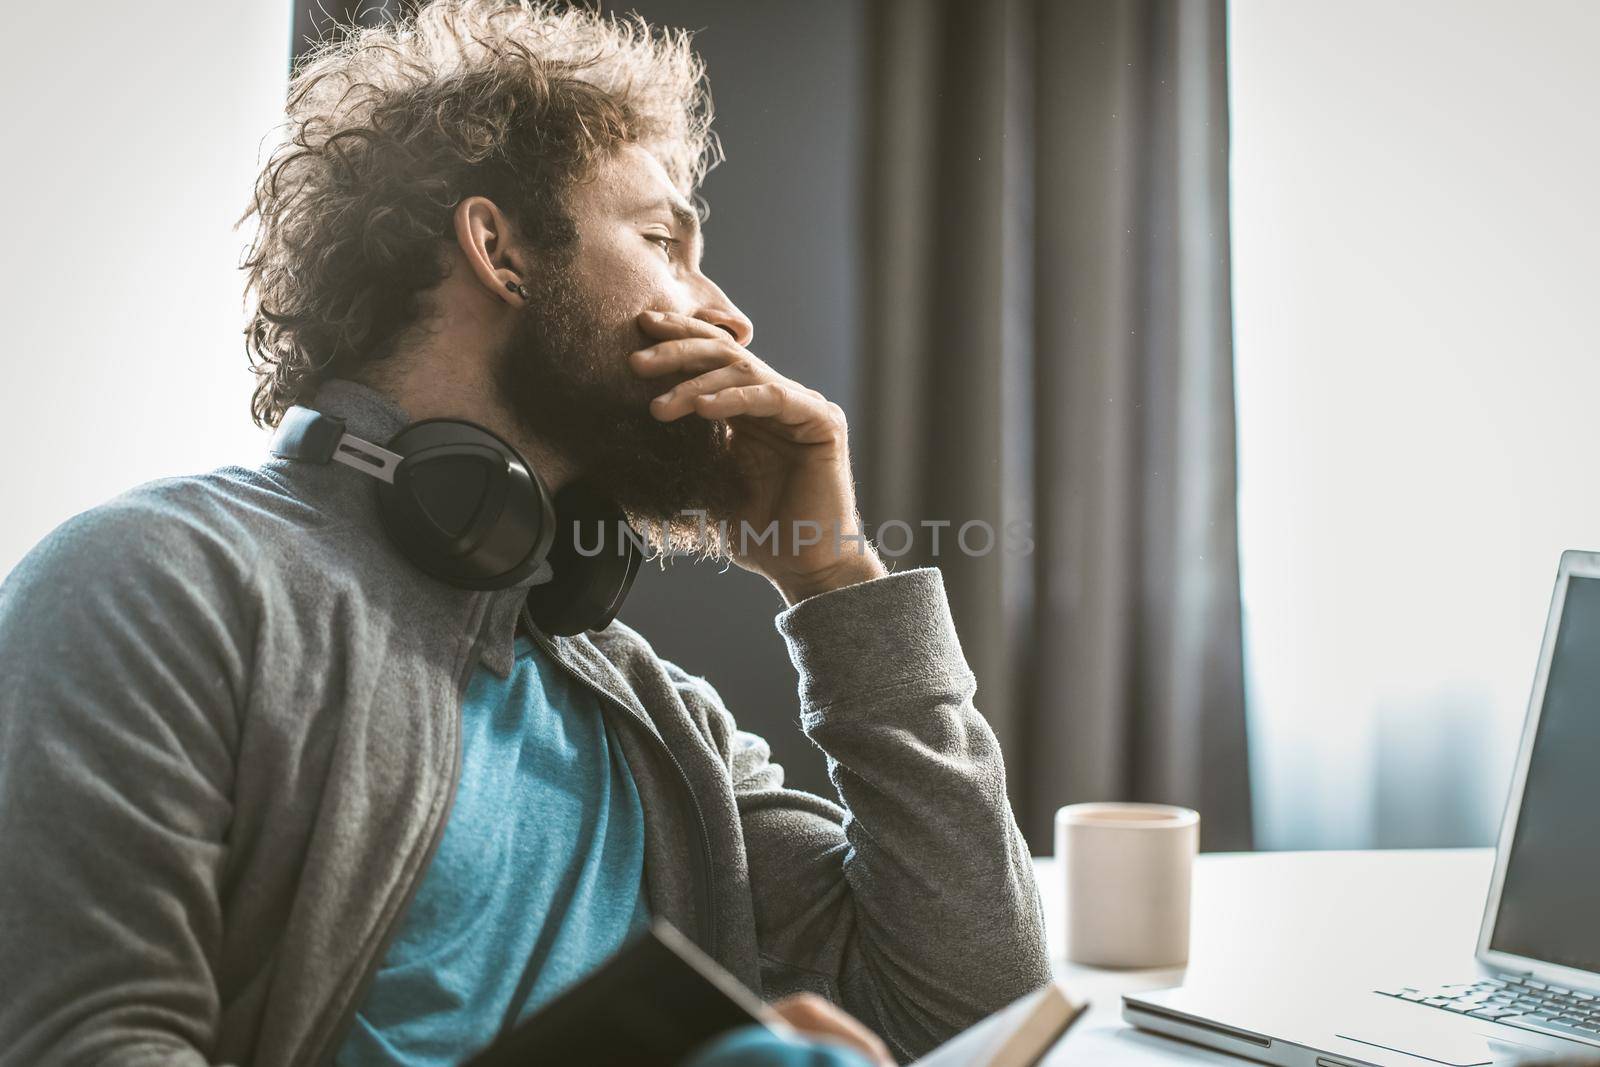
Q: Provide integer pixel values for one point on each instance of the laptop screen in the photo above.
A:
(1547, 901)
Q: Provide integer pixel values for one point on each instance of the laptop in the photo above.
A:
(1536, 996)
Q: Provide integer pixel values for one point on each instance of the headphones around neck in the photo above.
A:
(463, 506)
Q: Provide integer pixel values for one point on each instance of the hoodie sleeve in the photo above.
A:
(911, 902)
(117, 729)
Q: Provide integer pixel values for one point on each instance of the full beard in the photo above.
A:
(565, 374)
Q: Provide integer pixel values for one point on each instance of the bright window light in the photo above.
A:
(132, 133)
(1415, 227)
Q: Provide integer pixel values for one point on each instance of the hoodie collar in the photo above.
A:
(366, 412)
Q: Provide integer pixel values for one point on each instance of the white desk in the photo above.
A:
(1307, 917)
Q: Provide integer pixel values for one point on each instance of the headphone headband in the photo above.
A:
(314, 437)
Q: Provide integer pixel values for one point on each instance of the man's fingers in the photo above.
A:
(732, 383)
(668, 324)
(687, 355)
(764, 400)
(815, 1017)
(807, 419)
(680, 399)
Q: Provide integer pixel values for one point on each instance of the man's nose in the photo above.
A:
(723, 314)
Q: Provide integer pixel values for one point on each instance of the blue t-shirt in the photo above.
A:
(538, 878)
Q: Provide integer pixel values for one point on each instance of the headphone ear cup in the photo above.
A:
(464, 507)
(595, 557)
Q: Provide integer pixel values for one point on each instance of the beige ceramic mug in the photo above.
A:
(1125, 872)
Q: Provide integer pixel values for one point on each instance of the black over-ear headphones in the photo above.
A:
(461, 504)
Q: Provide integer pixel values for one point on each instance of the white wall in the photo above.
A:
(131, 134)
(1416, 213)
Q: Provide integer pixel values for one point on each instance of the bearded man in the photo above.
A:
(275, 791)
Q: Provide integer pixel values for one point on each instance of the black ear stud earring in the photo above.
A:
(518, 288)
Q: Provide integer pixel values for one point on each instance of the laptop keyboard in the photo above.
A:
(1518, 1002)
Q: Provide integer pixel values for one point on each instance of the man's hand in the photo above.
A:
(815, 1017)
(790, 441)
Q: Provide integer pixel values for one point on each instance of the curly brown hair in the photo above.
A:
(389, 127)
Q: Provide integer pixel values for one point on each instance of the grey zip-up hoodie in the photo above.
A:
(229, 742)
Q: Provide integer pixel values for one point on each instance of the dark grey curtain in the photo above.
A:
(1049, 342)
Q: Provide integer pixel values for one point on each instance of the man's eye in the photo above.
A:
(666, 243)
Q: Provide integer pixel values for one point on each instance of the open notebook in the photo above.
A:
(660, 998)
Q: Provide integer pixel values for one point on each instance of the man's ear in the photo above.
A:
(485, 236)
